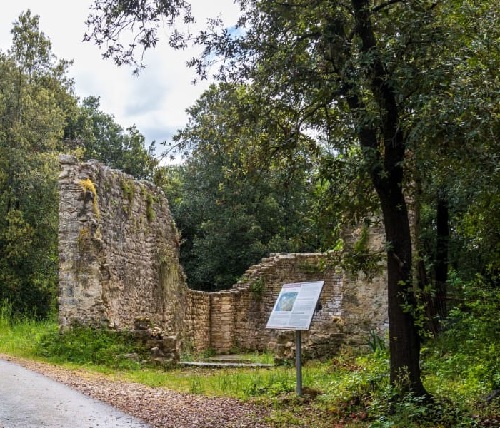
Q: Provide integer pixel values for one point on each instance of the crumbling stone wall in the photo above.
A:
(118, 250)
(119, 268)
(350, 307)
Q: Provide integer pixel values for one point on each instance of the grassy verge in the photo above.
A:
(348, 390)
(21, 337)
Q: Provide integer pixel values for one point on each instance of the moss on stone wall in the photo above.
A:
(128, 190)
(125, 267)
(150, 213)
(88, 187)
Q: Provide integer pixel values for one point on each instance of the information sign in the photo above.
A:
(295, 306)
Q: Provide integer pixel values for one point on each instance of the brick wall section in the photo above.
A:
(364, 302)
(238, 317)
(119, 264)
(196, 331)
(223, 331)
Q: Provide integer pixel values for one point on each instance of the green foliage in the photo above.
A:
(351, 388)
(35, 102)
(108, 18)
(233, 201)
(257, 288)
(401, 88)
(359, 257)
(376, 343)
(97, 136)
(468, 348)
(85, 345)
(101, 138)
(195, 386)
(416, 412)
(128, 189)
(20, 335)
(40, 117)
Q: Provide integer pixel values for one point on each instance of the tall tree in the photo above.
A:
(374, 67)
(40, 116)
(100, 137)
(368, 67)
(36, 99)
(454, 144)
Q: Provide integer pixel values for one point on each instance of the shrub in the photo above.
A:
(86, 345)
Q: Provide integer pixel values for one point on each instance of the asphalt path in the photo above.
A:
(31, 400)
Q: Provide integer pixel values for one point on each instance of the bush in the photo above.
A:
(86, 345)
(465, 356)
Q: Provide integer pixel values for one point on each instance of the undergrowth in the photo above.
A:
(20, 336)
(84, 345)
(461, 370)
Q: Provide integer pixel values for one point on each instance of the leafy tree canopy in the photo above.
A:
(101, 138)
(36, 100)
(229, 200)
(40, 117)
(375, 78)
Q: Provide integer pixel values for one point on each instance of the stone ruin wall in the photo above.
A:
(118, 250)
(235, 319)
(119, 266)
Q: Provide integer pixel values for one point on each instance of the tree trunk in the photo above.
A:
(384, 148)
(442, 244)
(435, 298)
(404, 341)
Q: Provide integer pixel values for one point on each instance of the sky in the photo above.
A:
(156, 100)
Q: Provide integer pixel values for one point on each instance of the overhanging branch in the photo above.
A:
(386, 4)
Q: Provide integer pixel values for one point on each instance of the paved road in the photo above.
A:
(31, 400)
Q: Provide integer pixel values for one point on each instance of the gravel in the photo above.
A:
(160, 407)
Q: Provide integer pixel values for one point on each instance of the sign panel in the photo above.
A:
(295, 306)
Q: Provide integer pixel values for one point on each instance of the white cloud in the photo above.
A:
(156, 100)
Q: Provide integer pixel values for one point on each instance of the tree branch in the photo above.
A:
(386, 4)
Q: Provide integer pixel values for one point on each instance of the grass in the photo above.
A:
(348, 390)
(21, 337)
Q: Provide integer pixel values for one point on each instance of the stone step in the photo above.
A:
(223, 364)
(229, 359)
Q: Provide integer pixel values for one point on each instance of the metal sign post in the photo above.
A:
(294, 310)
(298, 363)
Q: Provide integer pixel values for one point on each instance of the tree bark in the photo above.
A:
(384, 151)
(442, 245)
(404, 340)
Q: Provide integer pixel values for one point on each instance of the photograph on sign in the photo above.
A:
(295, 305)
(286, 301)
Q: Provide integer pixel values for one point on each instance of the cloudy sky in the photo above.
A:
(156, 100)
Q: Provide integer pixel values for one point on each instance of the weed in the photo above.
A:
(208, 353)
(5, 313)
(128, 189)
(85, 345)
(196, 386)
(20, 336)
(257, 288)
(375, 342)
